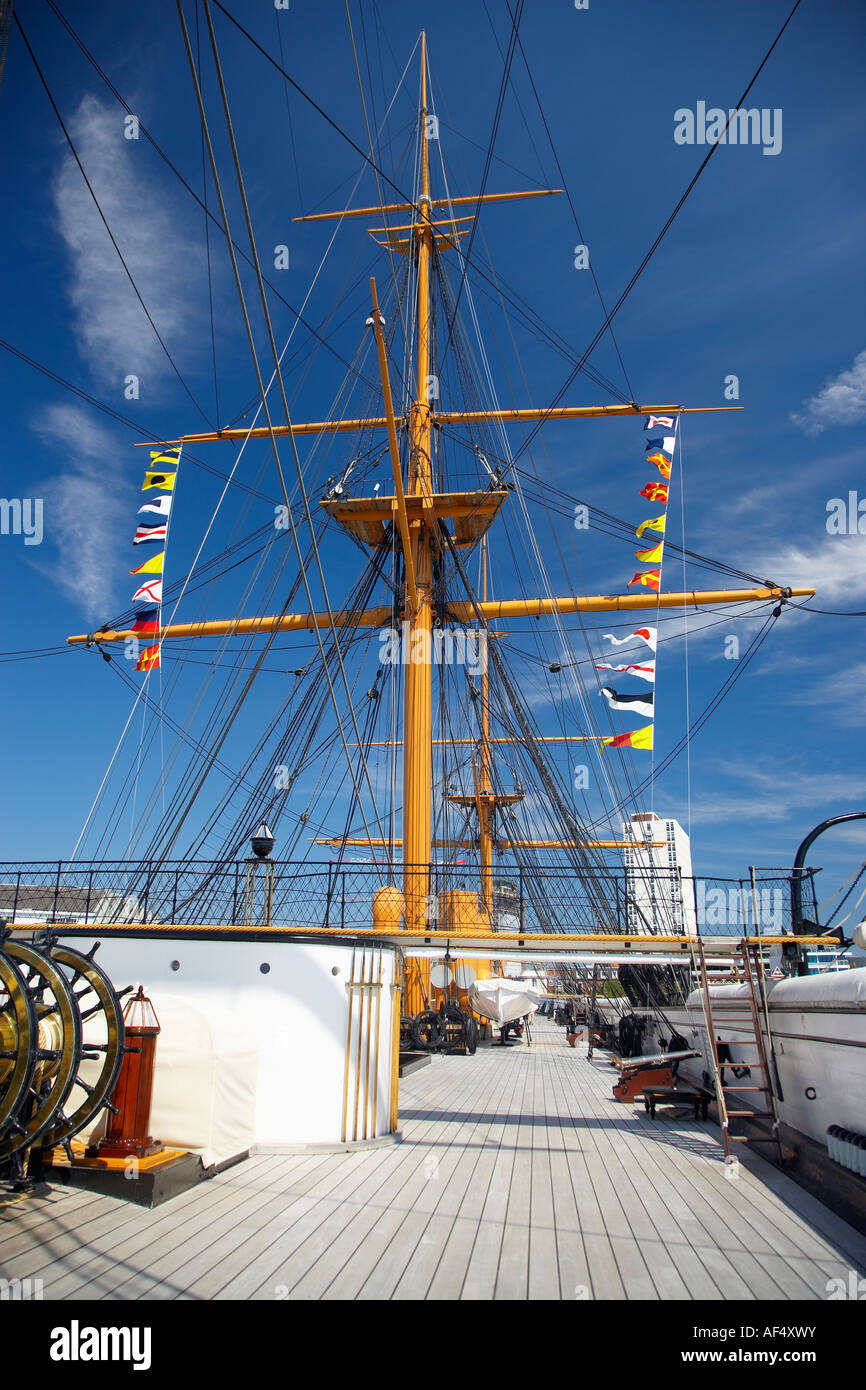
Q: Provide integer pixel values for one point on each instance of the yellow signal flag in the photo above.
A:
(151, 566)
(635, 738)
(655, 523)
(163, 480)
(172, 458)
(651, 557)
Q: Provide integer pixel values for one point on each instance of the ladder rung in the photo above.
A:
(765, 1089)
(752, 1114)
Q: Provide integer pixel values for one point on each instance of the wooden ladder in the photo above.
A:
(766, 1119)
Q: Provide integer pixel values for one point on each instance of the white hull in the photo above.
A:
(818, 1031)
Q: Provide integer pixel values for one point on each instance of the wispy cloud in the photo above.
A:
(835, 566)
(839, 695)
(764, 507)
(88, 513)
(774, 792)
(841, 402)
(112, 329)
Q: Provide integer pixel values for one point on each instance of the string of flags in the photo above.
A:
(152, 529)
(660, 447)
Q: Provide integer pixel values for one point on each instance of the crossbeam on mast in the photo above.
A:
(362, 841)
(459, 612)
(468, 200)
(456, 742)
(438, 418)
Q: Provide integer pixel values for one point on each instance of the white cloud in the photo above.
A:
(839, 696)
(835, 567)
(112, 328)
(89, 514)
(769, 503)
(841, 402)
(774, 792)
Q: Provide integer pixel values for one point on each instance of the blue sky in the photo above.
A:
(761, 276)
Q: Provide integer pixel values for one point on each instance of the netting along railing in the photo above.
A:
(548, 898)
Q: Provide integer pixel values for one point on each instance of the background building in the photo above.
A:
(658, 865)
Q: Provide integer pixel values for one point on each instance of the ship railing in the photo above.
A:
(337, 894)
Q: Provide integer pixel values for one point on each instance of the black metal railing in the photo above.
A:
(549, 898)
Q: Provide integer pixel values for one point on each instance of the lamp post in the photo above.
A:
(262, 844)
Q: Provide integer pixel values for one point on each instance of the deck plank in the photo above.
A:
(516, 1177)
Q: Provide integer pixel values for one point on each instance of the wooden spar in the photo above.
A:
(361, 841)
(619, 603)
(573, 412)
(456, 742)
(402, 519)
(459, 612)
(469, 199)
(262, 431)
(447, 417)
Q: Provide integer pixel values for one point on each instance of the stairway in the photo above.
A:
(763, 1120)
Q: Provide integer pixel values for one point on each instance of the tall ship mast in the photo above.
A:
(432, 535)
(396, 857)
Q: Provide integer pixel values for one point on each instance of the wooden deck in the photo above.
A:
(517, 1178)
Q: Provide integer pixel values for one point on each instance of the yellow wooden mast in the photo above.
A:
(418, 732)
(485, 770)
(419, 511)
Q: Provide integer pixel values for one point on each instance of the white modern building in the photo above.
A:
(823, 960)
(658, 865)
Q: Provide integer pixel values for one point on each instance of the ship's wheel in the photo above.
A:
(101, 1018)
(62, 1042)
(18, 1038)
(58, 1051)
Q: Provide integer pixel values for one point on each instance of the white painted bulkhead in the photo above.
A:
(297, 1069)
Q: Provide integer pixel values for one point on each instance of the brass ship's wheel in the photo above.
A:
(18, 1038)
(103, 1036)
(58, 1050)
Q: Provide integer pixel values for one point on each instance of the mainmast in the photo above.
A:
(418, 512)
(417, 698)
